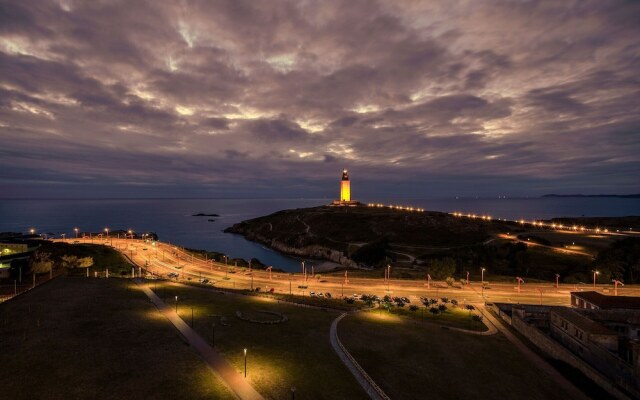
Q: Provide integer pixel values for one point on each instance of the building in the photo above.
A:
(9, 248)
(596, 301)
(601, 343)
(577, 332)
(345, 192)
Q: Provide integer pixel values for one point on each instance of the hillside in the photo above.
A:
(365, 235)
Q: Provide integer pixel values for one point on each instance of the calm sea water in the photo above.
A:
(172, 219)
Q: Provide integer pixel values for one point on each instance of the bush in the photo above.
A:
(444, 299)
(450, 281)
(442, 308)
(477, 317)
(454, 302)
(413, 308)
(434, 310)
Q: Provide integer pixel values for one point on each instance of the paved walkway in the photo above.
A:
(536, 359)
(369, 386)
(234, 380)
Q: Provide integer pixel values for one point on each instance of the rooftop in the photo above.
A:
(609, 302)
(582, 322)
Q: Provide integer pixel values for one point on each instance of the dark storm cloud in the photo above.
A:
(474, 97)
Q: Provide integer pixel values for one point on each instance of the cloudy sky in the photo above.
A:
(274, 98)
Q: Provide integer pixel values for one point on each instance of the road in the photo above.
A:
(163, 258)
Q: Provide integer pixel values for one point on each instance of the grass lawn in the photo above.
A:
(454, 317)
(78, 338)
(296, 353)
(410, 360)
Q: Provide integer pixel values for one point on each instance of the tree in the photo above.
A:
(442, 307)
(413, 308)
(41, 263)
(434, 310)
(441, 269)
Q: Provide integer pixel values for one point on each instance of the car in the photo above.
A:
(312, 294)
(356, 296)
(327, 295)
(272, 290)
(204, 281)
(320, 294)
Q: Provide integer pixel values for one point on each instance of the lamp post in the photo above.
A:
(467, 277)
(520, 280)
(176, 304)
(245, 362)
(557, 279)
(76, 231)
(615, 284)
(428, 281)
(595, 274)
(482, 275)
(293, 393)
(107, 230)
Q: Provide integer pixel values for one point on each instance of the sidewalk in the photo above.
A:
(369, 386)
(234, 380)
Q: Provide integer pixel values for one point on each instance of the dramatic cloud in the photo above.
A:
(272, 98)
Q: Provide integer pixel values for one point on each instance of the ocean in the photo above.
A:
(172, 219)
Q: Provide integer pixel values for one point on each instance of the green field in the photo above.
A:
(78, 338)
(410, 360)
(296, 353)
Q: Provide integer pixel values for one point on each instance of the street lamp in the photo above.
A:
(245, 362)
(32, 231)
(482, 275)
(595, 274)
(76, 231)
(557, 278)
(176, 304)
(107, 230)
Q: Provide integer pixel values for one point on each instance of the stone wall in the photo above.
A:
(558, 352)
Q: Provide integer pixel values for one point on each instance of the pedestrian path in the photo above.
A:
(233, 379)
(372, 389)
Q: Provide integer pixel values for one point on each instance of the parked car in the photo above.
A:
(312, 294)
(320, 294)
(327, 295)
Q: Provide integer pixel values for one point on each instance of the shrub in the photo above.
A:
(442, 308)
(450, 281)
(434, 310)
(413, 308)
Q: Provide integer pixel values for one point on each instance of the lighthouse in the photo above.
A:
(345, 192)
(345, 187)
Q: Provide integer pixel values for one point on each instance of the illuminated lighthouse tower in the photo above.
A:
(345, 192)
(345, 187)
